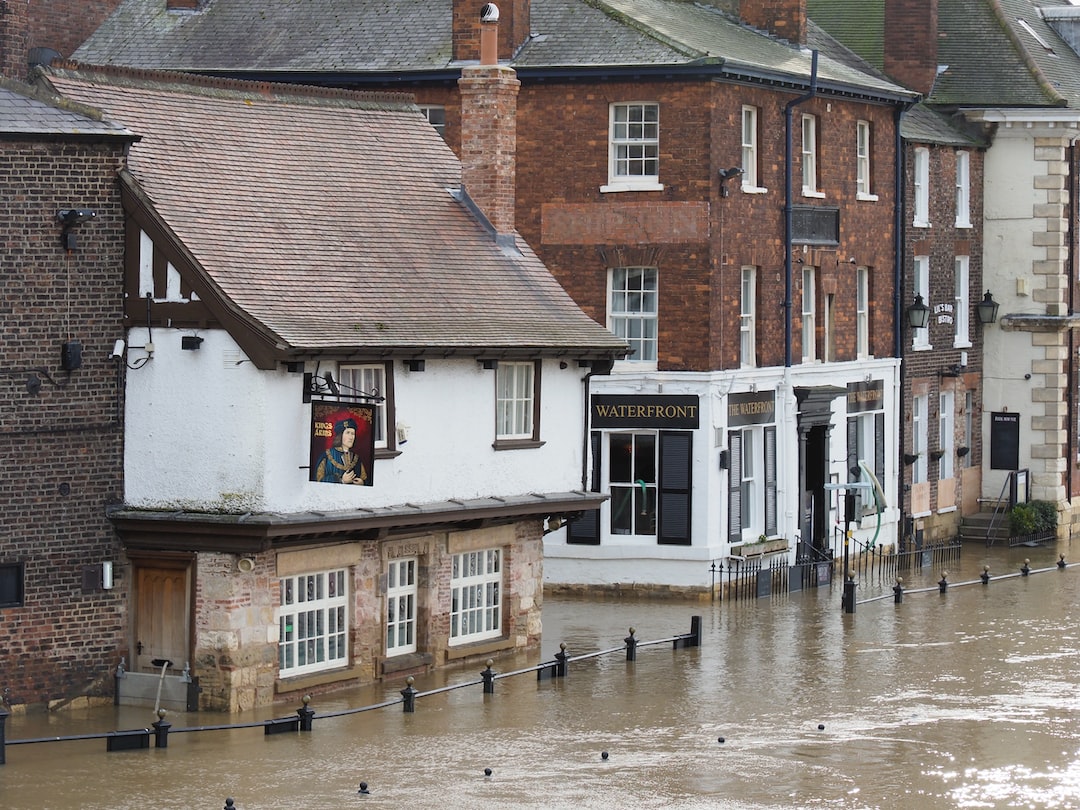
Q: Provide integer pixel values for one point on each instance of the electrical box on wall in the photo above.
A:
(71, 355)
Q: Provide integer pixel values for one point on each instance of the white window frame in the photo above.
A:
(863, 146)
(515, 400)
(828, 333)
(809, 314)
(751, 489)
(436, 116)
(969, 427)
(633, 310)
(865, 450)
(640, 493)
(962, 302)
(402, 593)
(747, 318)
(810, 157)
(370, 378)
(313, 622)
(751, 183)
(920, 405)
(946, 437)
(862, 312)
(476, 585)
(963, 189)
(633, 147)
(920, 338)
(921, 180)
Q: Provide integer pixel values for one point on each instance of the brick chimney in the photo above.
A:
(45, 28)
(785, 19)
(489, 128)
(514, 28)
(911, 43)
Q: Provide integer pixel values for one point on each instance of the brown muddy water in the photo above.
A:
(969, 699)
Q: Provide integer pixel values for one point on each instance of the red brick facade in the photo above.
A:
(62, 25)
(62, 446)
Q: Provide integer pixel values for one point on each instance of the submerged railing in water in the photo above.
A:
(133, 739)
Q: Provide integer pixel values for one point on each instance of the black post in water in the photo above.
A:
(561, 656)
(161, 730)
(695, 632)
(631, 646)
(943, 583)
(985, 575)
(410, 695)
(898, 591)
(489, 678)
(230, 804)
(4, 715)
(305, 713)
(848, 599)
(1026, 569)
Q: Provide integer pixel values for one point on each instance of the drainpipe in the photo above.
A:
(788, 117)
(899, 253)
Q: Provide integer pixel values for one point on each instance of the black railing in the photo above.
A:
(873, 563)
(303, 720)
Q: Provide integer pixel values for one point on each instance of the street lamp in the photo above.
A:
(987, 309)
(918, 314)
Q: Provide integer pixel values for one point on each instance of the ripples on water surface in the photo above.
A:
(967, 700)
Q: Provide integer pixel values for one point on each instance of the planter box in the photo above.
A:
(755, 549)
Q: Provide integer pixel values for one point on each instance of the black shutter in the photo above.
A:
(853, 471)
(879, 451)
(770, 480)
(735, 487)
(674, 487)
(586, 530)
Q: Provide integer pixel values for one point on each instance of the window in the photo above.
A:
(632, 310)
(922, 188)
(919, 406)
(863, 149)
(401, 607)
(516, 401)
(313, 623)
(476, 596)
(634, 151)
(436, 116)
(862, 312)
(946, 399)
(866, 443)
(371, 379)
(828, 351)
(963, 190)
(11, 585)
(752, 483)
(809, 157)
(748, 305)
(961, 302)
(809, 321)
(750, 181)
(632, 474)
(920, 338)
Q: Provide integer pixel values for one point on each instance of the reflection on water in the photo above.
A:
(965, 700)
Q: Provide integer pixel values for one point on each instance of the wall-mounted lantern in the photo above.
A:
(987, 309)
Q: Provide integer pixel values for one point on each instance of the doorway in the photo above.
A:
(161, 626)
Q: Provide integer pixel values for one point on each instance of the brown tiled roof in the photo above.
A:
(327, 217)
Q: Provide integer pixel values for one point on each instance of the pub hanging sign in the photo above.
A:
(671, 412)
(342, 443)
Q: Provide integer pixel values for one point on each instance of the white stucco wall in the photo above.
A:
(207, 431)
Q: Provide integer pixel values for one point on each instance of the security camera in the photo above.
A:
(75, 216)
(489, 13)
(118, 350)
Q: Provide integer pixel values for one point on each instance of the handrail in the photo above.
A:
(1010, 482)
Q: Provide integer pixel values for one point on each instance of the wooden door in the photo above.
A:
(162, 614)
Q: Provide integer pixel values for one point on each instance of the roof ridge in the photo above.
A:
(644, 28)
(1037, 73)
(220, 86)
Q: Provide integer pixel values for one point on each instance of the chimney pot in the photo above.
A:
(489, 34)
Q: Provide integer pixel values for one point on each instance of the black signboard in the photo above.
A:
(674, 412)
(751, 409)
(865, 396)
(1004, 441)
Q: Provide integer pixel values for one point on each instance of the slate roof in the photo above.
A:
(381, 36)
(23, 113)
(923, 124)
(326, 217)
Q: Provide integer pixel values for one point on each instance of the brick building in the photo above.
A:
(61, 401)
(716, 182)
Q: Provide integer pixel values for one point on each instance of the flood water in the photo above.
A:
(969, 699)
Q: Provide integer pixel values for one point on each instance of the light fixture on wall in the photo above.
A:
(987, 309)
(71, 218)
(728, 174)
(107, 576)
(918, 313)
(190, 343)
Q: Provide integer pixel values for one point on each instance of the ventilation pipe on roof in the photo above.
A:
(489, 34)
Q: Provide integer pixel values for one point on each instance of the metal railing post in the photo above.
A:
(306, 713)
(489, 678)
(161, 730)
(631, 646)
(409, 694)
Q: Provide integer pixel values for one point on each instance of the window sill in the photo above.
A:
(633, 365)
(382, 452)
(478, 648)
(918, 223)
(922, 347)
(963, 225)
(641, 185)
(816, 195)
(293, 683)
(406, 661)
(754, 190)
(867, 197)
(962, 344)
(517, 444)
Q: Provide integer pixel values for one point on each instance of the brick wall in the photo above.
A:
(62, 25)
(62, 447)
